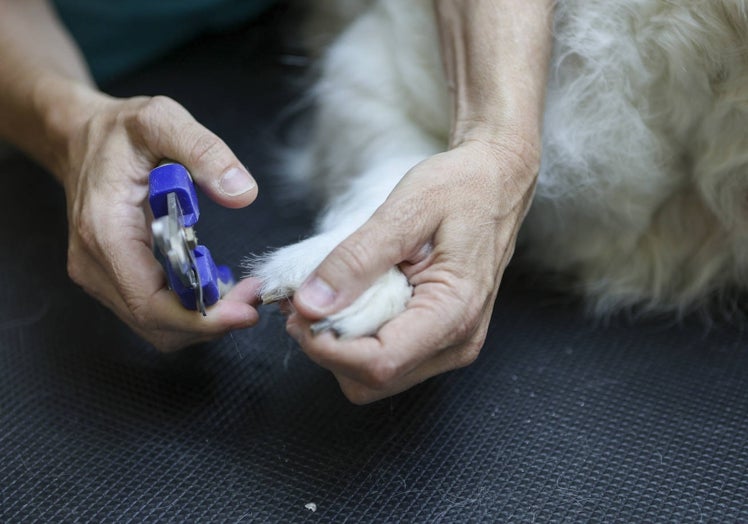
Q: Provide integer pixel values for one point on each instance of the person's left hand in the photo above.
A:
(451, 225)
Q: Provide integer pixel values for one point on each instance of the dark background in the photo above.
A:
(561, 419)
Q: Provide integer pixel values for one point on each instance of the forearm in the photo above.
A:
(44, 82)
(495, 55)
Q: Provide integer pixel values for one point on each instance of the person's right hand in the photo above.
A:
(104, 170)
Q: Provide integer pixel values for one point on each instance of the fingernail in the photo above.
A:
(317, 294)
(235, 182)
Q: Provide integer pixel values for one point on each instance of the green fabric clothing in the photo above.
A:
(118, 35)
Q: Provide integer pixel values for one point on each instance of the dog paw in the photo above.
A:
(283, 271)
(384, 300)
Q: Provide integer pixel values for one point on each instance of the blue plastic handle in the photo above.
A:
(215, 280)
(173, 178)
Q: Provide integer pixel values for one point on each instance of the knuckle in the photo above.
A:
(471, 309)
(399, 218)
(161, 104)
(142, 315)
(380, 373)
(153, 110)
(159, 341)
(353, 257)
(165, 343)
(465, 326)
(469, 352)
(75, 268)
(163, 340)
(81, 240)
(86, 222)
(84, 227)
(357, 394)
(206, 147)
(139, 316)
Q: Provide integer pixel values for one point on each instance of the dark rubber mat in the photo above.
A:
(560, 420)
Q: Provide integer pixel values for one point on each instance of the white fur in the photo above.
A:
(642, 192)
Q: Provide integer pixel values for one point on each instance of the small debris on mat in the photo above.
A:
(311, 506)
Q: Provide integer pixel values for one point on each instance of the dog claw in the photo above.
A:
(322, 326)
(277, 295)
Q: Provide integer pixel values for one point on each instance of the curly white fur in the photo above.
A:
(643, 186)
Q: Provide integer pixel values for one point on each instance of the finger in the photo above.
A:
(169, 326)
(88, 272)
(252, 295)
(166, 313)
(171, 132)
(351, 268)
(140, 282)
(374, 373)
(246, 290)
(450, 358)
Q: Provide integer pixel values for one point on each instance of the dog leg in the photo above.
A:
(365, 139)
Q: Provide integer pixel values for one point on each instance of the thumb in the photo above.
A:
(352, 267)
(213, 165)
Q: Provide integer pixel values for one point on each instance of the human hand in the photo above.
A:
(451, 225)
(105, 172)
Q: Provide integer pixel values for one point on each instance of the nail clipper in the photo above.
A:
(191, 272)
